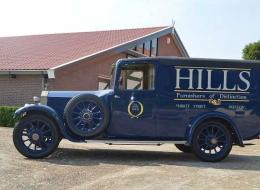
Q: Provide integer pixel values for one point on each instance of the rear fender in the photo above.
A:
(48, 111)
(213, 115)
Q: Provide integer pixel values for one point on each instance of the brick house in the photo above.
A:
(75, 61)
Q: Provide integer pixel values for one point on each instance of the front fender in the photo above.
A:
(46, 110)
(37, 108)
(212, 115)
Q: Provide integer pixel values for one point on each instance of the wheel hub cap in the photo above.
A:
(214, 141)
(35, 136)
(87, 116)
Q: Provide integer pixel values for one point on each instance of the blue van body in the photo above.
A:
(186, 93)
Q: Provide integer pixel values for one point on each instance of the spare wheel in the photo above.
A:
(86, 115)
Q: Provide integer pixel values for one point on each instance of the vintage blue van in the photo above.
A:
(203, 106)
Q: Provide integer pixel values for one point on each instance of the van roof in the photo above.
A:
(168, 58)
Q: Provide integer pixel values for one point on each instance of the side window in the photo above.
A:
(137, 77)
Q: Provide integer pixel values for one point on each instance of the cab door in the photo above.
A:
(134, 102)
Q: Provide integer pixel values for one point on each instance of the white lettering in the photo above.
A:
(224, 83)
(200, 79)
(242, 78)
(209, 87)
(225, 72)
(178, 78)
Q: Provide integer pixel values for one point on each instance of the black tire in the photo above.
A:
(184, 148)
(33, 127)
(212, 141)
(86, 115)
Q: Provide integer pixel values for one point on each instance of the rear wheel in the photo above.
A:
(212, 141)
(36, 136)
(183, 148)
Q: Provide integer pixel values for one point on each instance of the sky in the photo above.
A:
(208, 28)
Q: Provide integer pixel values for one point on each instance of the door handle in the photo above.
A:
(116, 96)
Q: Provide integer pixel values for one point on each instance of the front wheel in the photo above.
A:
(212, 141)
(36, 136)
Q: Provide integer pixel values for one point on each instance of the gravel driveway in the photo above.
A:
(98, 166)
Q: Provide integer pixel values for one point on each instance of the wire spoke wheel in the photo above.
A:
(86, 115)
(36, 136)
(212, 141)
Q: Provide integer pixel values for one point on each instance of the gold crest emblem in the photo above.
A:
(135, 109)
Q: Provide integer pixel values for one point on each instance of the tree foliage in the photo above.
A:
(252, 51)
(6, 116)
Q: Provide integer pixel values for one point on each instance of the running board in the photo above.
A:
(124, 142)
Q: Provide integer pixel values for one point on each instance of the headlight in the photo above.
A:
(36, 99)
(44, 97)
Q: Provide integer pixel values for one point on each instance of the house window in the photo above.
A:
(103, 82)
(154, 47)
(137, 77)
(147, 48)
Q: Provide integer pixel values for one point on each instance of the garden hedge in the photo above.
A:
(6, 116)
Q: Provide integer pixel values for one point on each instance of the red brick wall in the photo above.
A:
(170, 49)
(20, 90)
(84, 75)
